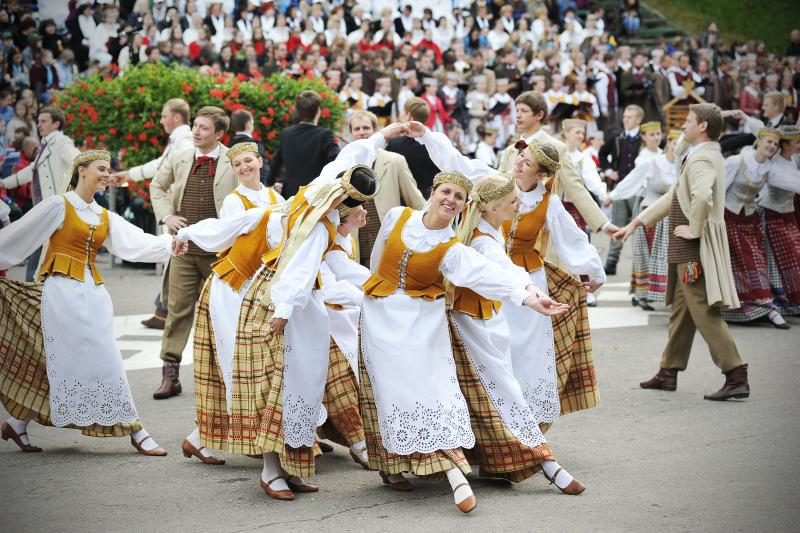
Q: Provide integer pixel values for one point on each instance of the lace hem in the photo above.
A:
(84, 404)
(426, 429)
(301, 419)
(542, 397)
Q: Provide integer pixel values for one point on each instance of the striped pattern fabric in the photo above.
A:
(431, 465)
(368, 234)
(256, 422)
(344, 425)
(750, 270)
(640, 267)
(497, 452)
(577, 381)
(575, 214)
(657, 266)
(24, 388)
(783, 258)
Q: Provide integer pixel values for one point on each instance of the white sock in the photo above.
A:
(20, 426)
(456, 478)
(147, 445)
(360, 449)
(563, 479)
(272, 469)
(776, 318)
(194, 440)
(590, 298)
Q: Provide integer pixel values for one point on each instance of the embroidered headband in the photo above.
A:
(674, 134)
(240, 148)
(542, 158)
(88, 157)
(344, 211)
(789, 133)
(649, 127)
(569, 123)
(769, 132)
(484, 197)
(351, 191)
(454, 177)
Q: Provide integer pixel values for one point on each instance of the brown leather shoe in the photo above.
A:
(281, 495)
(170, 386)
(302, 487)
(7, 432)
(574, 488)
(468, 504)
(403, 485)
(155, 452)
(736, 386)
(666, 379)
(157, 321)
(189, 450)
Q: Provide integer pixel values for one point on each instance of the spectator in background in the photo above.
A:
(242, 126)
(304, 148)
(44, 76)
(416, 155)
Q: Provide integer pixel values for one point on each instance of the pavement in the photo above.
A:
(650, 460)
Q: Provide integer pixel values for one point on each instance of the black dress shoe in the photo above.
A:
(610, 270)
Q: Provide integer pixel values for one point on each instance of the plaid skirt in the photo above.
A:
(640, 269)
(343, 425)
(577, 381)
(431, 465)
(657, 266)
(24, 388)
(783, 256)
(750, 270)
(497, 452)
(256, 419)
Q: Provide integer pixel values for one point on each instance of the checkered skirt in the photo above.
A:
(640, 267)
(343, 425)
(432, 465)
(657, 266)
(496, 451)
(24, 388)
(750, 270)
(783, 256)
(577, 381)
(256, 420)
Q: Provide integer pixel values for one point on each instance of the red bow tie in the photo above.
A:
(521, 144)
(204, 159)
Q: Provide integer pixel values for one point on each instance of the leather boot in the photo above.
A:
(736, 386)
(666, 379)
(170, 386)
(157, 321)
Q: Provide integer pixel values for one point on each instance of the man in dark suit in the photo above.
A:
(419, 162)
(304, 147)
(242, 128)
(636, 86)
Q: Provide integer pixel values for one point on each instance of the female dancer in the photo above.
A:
(653, 174)
(415, 416)
(574, 132)
(556, 372)
(59, 362)
(781, 228)
(508, 440)
(342, 278)
(243, 234)
(746, 175)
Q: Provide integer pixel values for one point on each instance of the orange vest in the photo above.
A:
(74, 246)
(470, 302)
(522, 233)
(240, 262)
(298, 207)
(416, 273)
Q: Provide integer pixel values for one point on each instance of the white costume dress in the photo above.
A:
(84, 365)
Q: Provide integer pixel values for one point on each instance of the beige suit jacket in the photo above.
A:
(53, 165)
(172, 177)
(397, 186)
(569, 185)
(701, 194)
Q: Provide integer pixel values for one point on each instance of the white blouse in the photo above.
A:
(634, 183)
(21, 238)
(232, 204)
(217, 234)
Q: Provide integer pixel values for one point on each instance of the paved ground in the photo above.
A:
(651, 460)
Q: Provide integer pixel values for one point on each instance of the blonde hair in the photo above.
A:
(485, 195)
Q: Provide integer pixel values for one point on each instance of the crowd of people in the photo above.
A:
(415, 286)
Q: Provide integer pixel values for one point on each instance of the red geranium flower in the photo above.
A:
(141, 89)
(112, 131)
(143, 136)
(325, 112)
(186, 87)
(100, 91)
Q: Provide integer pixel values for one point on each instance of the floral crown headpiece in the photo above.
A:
(240, 148)
(484, 197)
(88, 157)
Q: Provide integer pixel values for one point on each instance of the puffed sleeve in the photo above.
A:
(293, 288)
(493, 251)
(571, 243)
(786, 177)
(345, 269)
(217, 234)
(339, 291)
(130, 243)
(632, 184)
(445, 156)
(231, 205)
(21, 238)
(465, 267)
